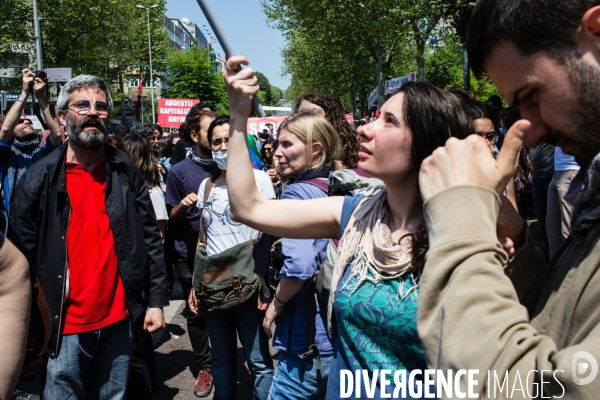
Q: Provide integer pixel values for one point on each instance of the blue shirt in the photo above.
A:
(302, 258)
(15, 159)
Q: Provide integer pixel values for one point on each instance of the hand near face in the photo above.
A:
(241, 86)
(469, 162)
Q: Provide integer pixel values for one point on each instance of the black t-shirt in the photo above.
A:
(179, 151)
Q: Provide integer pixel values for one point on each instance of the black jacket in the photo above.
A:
(40, 218)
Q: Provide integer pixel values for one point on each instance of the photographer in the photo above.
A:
(19, 145)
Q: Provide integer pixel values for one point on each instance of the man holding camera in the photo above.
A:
(19, 145)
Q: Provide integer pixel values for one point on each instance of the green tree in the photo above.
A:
(16, 27)
(103, 38)
(444, 70)
(264, 95)
(190, 75)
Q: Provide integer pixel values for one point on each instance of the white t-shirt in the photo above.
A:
(224, 233)
(158, 202)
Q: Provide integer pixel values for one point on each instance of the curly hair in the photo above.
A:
(335, 114)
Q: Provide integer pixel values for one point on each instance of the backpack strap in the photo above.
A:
(202, 235)
(321, 183)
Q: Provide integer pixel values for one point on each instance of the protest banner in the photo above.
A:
(172, 112)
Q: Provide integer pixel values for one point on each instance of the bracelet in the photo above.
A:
(20, 101)
(277, 298)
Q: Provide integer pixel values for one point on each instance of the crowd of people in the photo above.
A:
(400, 243)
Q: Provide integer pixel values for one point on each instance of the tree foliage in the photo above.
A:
(444, 69)
(190, 75)
(346, 48)
(102, 38)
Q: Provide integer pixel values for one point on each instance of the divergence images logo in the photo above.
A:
(584, 363)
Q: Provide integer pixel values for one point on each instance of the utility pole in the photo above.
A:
(38, 37)
(150, 55)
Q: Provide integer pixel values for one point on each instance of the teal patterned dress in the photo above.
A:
(375, 329)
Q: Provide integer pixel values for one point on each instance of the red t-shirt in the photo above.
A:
(97, 296)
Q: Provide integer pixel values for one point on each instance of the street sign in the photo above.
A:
(8, 72)
(128, 112)
(59, 74)
(116, 121)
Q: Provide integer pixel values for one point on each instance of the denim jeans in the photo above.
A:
(539, 189)
(92, 365)
(300, 379)
(224, 327)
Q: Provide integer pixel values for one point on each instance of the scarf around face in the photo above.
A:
(203, 162)
(584, 194)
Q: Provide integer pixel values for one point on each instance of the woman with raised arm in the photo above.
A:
(383, 239)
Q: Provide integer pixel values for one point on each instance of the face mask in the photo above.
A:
(220, 158)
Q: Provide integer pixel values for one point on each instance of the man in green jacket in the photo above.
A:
(488, 301)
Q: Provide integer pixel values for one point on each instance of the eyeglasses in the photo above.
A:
(25, 122)
(269, 149)
(492, 138)
(82, 107)
(219, 142)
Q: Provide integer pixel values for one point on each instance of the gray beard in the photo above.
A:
(89, 139)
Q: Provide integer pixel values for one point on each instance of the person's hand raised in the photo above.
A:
(469, 162)
(241, 86)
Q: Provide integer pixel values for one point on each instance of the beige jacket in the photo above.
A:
(475, 314)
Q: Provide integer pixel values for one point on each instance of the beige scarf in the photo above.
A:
(368, 240)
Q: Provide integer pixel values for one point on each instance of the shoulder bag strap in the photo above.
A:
(202, 235)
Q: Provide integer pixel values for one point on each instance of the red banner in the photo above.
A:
(172, 112)
(257, 124)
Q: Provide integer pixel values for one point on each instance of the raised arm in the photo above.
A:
(12, 116)
(39, 88)
(303, 219)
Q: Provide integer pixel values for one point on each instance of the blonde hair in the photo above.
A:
(310, 127)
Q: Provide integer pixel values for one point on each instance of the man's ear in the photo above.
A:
(195, 136)
(589, 34)
(62, 117)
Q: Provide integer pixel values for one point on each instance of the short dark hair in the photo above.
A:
(144, 130)
(202, 106)
(479, 110)
(433, 116)
(531, 25)
(220, 120)
(509, 116)
(192, 122)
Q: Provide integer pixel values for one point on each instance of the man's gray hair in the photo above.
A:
(82, 82)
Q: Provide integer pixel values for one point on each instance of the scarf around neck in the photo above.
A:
(204, 162)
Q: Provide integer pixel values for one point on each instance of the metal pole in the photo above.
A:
(214, 24)
(466, 73)
(151, 76)
(38, 38)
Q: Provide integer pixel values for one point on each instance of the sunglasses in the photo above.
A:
(25, 121)
(219, 142)
(82, 107)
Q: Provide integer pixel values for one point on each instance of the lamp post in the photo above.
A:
(150, 55)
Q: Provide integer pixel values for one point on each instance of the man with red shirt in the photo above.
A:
(85, 216)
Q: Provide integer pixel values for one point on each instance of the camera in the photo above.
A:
(42, 75)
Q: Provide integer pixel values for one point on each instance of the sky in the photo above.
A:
(246, 29)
